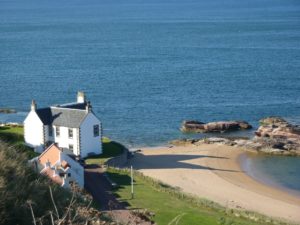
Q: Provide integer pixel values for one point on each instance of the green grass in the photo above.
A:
(110, 149)
(167, 203)
(14, 135)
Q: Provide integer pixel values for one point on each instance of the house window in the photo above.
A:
(57, 131)
(96, 130)
(71, 147)
(50, 131)
(70, 133)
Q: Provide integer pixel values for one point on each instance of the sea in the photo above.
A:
(147, 65)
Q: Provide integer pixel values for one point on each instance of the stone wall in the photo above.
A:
(120, 160)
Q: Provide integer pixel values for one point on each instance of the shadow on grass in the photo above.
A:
(110, 149)
(122, 180)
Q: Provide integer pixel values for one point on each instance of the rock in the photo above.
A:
(183, 142)
(221, 126)
(7, 111)
(216, 140)
(274, 136)
(272, 120)
(277, 133)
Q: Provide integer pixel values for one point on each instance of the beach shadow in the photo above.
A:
(142, 161)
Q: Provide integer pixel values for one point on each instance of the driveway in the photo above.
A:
(99, 187)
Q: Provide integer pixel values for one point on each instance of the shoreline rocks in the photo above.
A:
(279, 134)
(221, 126)
(274, 136)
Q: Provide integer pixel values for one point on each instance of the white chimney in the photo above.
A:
(33, 105)
(81, 97)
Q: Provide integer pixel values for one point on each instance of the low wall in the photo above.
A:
(120, 160)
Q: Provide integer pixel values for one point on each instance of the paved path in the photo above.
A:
(98, 186)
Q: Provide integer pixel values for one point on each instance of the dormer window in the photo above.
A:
(57, 131)
(70, 133)
(96, 130)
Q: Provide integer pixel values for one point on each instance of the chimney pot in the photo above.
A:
(81, 97)
(33, 105)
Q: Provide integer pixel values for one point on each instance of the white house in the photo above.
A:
(73, 126)
(59, 166)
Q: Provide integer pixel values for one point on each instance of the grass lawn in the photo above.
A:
(168, 206)
(14, 136)
(110, 149)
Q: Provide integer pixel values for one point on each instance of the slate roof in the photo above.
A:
(68, 115)
(74, 105)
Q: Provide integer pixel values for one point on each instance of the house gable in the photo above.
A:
(51, 155)
(34, 131)
(54, 162)
(89, 143)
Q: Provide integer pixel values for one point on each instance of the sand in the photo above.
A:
(213, 172)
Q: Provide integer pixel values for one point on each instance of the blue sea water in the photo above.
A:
(278, 171)
(146, 65)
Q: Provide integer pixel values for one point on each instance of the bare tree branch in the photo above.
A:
(32, 213)
(68, 209)
(53, 202)
(52, 220)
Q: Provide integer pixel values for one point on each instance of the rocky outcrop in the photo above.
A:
(221, 126)
(277, 133)
(275, 136)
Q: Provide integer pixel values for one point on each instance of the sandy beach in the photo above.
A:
(213, 172)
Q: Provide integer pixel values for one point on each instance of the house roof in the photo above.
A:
(73, 105)
(51, 154)
(65, 115)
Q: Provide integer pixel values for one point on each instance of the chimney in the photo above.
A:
(88, 107)
(81, 97)
(33, 105)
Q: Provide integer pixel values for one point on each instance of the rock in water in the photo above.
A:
(7, 111)
(221, 126)
(278, 133)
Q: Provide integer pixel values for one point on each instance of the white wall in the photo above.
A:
(76, 170)
(89, 143)
(33, 131)
(64, 141)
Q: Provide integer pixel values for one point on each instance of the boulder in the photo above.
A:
(221, 126)
(277, 133)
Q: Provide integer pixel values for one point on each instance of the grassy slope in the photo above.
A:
(19, 184)
(110, 149)
(166, 205)
(14, 136)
